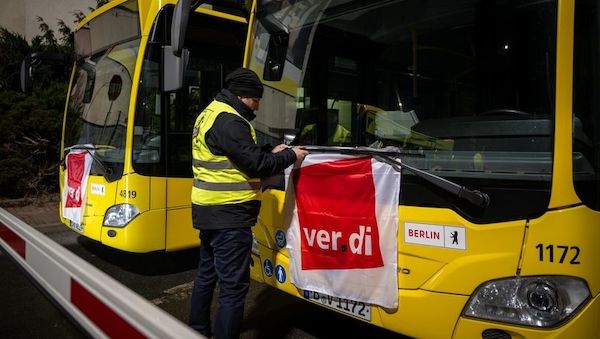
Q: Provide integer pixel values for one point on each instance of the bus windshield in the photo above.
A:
(466, 88)
(101, 88)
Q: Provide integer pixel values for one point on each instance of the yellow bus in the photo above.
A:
(491, 109)
(131, 111)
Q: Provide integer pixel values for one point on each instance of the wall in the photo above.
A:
(20, 16)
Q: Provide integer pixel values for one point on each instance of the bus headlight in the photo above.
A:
(542, 301)
(120, 215)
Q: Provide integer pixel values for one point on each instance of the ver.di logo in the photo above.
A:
(338, 224)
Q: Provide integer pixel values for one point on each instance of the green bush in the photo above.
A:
(31, 123)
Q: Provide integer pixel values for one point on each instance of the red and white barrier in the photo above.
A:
(101, 305)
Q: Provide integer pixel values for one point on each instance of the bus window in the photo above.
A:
(468, 87)
(586, 104)
(164, 121)
(99, 101)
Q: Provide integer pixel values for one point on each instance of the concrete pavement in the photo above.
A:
(40, 214)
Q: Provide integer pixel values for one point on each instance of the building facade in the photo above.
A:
(20, 16)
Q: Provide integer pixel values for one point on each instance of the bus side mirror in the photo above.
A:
(278, 44)
(277, 49)
(181, 16)
(37, 57)
(173, 68)
(175, 57)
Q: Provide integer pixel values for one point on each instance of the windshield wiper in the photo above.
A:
(389, 154)
(106, 171)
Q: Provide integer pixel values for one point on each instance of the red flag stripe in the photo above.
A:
(338, 223)
(12, 239)
(105, 318)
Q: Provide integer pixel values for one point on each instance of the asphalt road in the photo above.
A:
(165, 279)
(25, 312)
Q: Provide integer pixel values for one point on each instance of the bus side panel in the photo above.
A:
(270, 219)
(565, 242)
(430, 276)
(145, 232)
(424, 314)
(100, 195)
(486, 252)
(417, 315)
(180, 233)
(158, 193)
(256, 272)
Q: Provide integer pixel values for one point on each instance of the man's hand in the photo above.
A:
(279, 148)
(300, 154)
(299, 151)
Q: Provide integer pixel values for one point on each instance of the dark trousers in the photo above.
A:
(224, 257)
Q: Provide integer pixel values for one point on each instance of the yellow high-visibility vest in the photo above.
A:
(216, 179)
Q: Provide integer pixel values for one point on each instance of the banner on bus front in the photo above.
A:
(78, 165)
(342, 234)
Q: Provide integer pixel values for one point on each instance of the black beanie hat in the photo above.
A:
(244, 83)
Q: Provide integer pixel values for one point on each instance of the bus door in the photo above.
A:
(216, 42)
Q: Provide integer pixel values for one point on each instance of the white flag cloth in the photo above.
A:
(342, 234)
(77, 170)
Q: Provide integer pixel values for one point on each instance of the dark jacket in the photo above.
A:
(230, 136)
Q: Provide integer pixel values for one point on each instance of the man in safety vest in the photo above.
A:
(228, 164)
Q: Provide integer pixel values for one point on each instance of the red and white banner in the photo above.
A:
(78, 166)
(342, 236)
